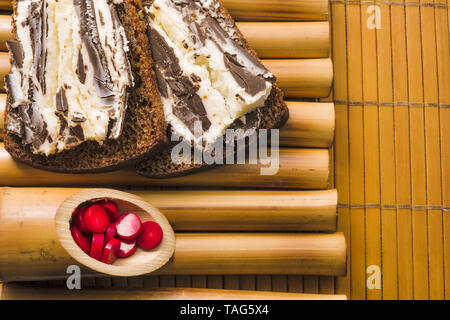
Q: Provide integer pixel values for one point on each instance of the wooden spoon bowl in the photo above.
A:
(142, 261)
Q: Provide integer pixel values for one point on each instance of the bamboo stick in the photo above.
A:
(443, 65)
(293, 40)
(5, 5)
(310, 78)
(418, 161)
(371, 151)
(356, 156)
(340, 91)
(224, 210)
(387, 161)
(263, 9)
(28, 292)
(288, 39)
(299, 169)
(247, 210)
(402, 152)
(278, 10)
(27, 253)
(433, 154)
(5, 31)
(310, 124)
(297, 77)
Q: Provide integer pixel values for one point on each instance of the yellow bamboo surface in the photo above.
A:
(391, 92)
(391, 156)
(298, 168)
(297, 77)
(28, 292)
(294, 39)
(304, 81)
(310, 124)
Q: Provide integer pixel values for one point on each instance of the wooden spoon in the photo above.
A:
(143, 261)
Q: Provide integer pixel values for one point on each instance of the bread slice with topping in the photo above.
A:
(82, 94)
(209, 79)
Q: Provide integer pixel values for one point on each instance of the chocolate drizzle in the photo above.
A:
(16, 52)
(252, 84)
(81, 72)
(38, 34)
(62, 105)
(205, 28)
(188, 105)
(89, 35)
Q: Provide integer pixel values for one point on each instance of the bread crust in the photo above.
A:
(146, 168)
(133, 145)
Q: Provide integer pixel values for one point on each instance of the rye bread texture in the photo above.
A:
(273, 115)
(144, 131)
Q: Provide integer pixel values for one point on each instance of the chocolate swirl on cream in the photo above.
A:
(203, 73)
(70, 74)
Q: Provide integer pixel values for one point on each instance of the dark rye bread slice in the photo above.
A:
(273, 115)
(144, 130)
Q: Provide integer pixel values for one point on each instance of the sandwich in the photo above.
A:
(82, 93)
(209, 80)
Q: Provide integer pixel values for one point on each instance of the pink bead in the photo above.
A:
(151, 235)
(128, 226)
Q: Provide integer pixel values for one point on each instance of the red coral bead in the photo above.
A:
(129, 226)
(127, 248)
(98, 241)
(80, 239)
(79, 220)
(110, 208)
(111, 251)
(110, 232)
(96, 219)
(151, 235)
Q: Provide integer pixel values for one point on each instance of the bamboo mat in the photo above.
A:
(391, 157)
(392, 165)
(309, 49)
